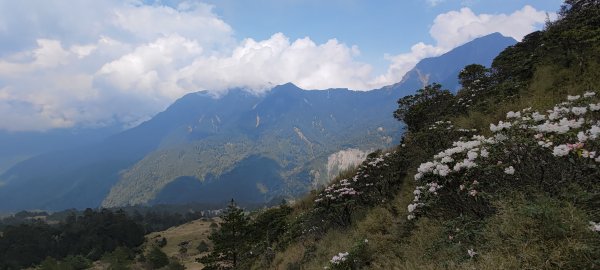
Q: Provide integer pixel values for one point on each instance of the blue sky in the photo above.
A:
(377, 27)
(90, 63)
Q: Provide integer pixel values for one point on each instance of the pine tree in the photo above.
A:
(157, 258)
(229, 241)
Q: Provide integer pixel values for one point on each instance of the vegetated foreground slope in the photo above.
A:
(253, 148)
(503, 175)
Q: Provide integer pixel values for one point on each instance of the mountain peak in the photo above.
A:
(286, 87)
(444, 69)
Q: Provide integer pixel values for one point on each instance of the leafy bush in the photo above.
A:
(555, 152)
(376, 180)
(424, 107)
(202, 247)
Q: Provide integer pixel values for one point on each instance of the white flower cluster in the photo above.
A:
(464, 155)
(501, 126)
(594, 226)
(441, 125)
(572, 126)
(471, 253)
(337, 191)
(347, 188)
(565, 118)
(340, 258)
(512, 114)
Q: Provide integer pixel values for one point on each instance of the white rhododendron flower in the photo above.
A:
(569, 129)
(561, 150)
(471, 253)
(594, 226)
(579, 110)
(341, 257)
(485, 153)
(512, 114)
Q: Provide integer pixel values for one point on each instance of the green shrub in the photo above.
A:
(157, 258)
(202, 247)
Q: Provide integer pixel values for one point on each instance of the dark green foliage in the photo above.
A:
(476, 81)
(174, 265)
(424, 107)
(28, 244)
(230, 241)
(472, 76)
(90, 235)
(159, 220)
(69, 263)
(513, 67)
(51, 264)
(97, 232)
(202, 247)
(77, 262)
(119, 259)
(575, 6)
(157, 258)
(268, 226)
(266, 232)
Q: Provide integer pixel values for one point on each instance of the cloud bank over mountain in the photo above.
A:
(68, 63)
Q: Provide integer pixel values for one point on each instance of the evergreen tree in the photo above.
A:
(424, 107)
(230, 240)
(157, 258)
(203, 247)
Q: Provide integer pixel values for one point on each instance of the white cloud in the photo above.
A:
(95, 62)
(457, 27)
(189, 20)
(143, 58)
(454, 28)
(262, 64)
(402, 63)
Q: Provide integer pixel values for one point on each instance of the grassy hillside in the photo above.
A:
(182, 241)
(503, 175)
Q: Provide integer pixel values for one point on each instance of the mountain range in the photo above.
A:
(255, 148)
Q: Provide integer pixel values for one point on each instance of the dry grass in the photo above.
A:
(194, 232)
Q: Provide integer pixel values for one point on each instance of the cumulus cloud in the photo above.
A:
(263, 64)
(142, 59)
(455, 28)
(88, 62)
(100, 62)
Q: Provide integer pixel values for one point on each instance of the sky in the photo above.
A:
(90, 63)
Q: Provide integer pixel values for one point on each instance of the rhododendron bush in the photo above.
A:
(374, 181)
(555, 151)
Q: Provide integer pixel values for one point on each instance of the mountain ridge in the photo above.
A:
(297, 129)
